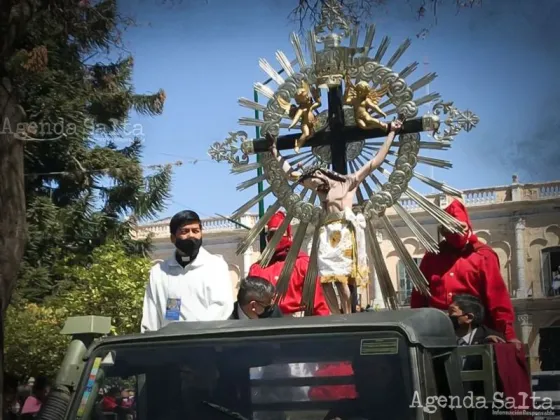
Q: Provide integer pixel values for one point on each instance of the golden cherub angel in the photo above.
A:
(364, 99)
(308, 99)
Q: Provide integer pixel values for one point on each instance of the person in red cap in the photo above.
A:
(465, 265)
(291, 304)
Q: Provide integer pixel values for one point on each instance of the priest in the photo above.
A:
(291, 305)
(465, 265)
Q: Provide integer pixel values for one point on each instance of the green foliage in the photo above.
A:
(113, 285)
(85, 185)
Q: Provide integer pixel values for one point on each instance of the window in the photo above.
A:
(550, 279)
(361, 374)
(405, 284)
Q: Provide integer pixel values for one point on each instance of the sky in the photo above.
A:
(499, 60)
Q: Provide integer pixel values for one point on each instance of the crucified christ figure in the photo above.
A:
(342, 255)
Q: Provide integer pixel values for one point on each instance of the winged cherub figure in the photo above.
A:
(364, 99)
(308, 99)
(342, 257)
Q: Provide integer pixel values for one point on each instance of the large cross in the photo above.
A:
(337, 134)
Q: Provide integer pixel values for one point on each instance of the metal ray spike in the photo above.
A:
(259, 226)
(268, 252)
(299, 159)
(294, 39)
(408, 70)
(268, 69)
(428, 145)
(382, 49)
(264, 90)
(285, 63)
(246, 103)
(256, 230)
(440, 163)
(438, 185)
(416, 276)
(312, 46)
(245, 207)
(250, 182)
(423, 81)
(368, 41)
(385, 283)
(310, 280)
(253, 122)
(284, 280)
(434, 96)
(245, 168)
(424, 237)
(399, 53)
(354, 37)
(441, 216)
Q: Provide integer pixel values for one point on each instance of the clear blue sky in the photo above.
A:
(501, 61)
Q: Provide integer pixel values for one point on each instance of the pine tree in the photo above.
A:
(59, 63)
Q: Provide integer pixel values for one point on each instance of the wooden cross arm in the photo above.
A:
(350, 134)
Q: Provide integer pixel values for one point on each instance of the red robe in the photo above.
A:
(474, 271)
(292, 301)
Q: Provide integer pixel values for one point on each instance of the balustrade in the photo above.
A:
(472, 198)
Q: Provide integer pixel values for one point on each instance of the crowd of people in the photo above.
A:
(194, 285)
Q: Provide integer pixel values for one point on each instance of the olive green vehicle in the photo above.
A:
(380, 365)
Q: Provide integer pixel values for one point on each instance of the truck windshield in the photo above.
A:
(306, 377)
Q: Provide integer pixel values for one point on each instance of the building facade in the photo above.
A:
(520, 221)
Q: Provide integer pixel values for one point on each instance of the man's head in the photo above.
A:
(255, 297)
(459, 240)
(466, 312)
(186, 233)
(319, 179)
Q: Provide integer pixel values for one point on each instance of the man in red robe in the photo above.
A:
(467, 266)
(291, 304)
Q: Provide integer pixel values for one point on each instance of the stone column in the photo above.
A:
(377, 297)
(520, 258)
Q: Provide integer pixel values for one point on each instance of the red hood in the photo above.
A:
(282, 250)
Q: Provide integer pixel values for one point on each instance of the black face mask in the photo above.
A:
(267, 312)
(189, 248)
(455, 321)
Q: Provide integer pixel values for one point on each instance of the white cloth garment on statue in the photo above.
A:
(201, 291)
(342, 251)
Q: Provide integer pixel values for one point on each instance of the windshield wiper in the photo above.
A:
(226, 411)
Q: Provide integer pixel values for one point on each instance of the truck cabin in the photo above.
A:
(364, 366)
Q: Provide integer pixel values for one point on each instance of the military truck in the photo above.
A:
(382, 365)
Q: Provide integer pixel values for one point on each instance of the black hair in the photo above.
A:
(255, 288)
(41, 383)
(182, 218)
(309, 173)
(470, 304)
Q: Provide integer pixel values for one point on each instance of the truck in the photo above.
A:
(382, 365)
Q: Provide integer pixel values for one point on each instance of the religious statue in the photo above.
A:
(342, 258)
(364, 98)
(308, 99)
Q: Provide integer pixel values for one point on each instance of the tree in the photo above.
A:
(112, 286)
(81, 192)
(358, 11)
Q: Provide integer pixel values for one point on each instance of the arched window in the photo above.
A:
(405, 284)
